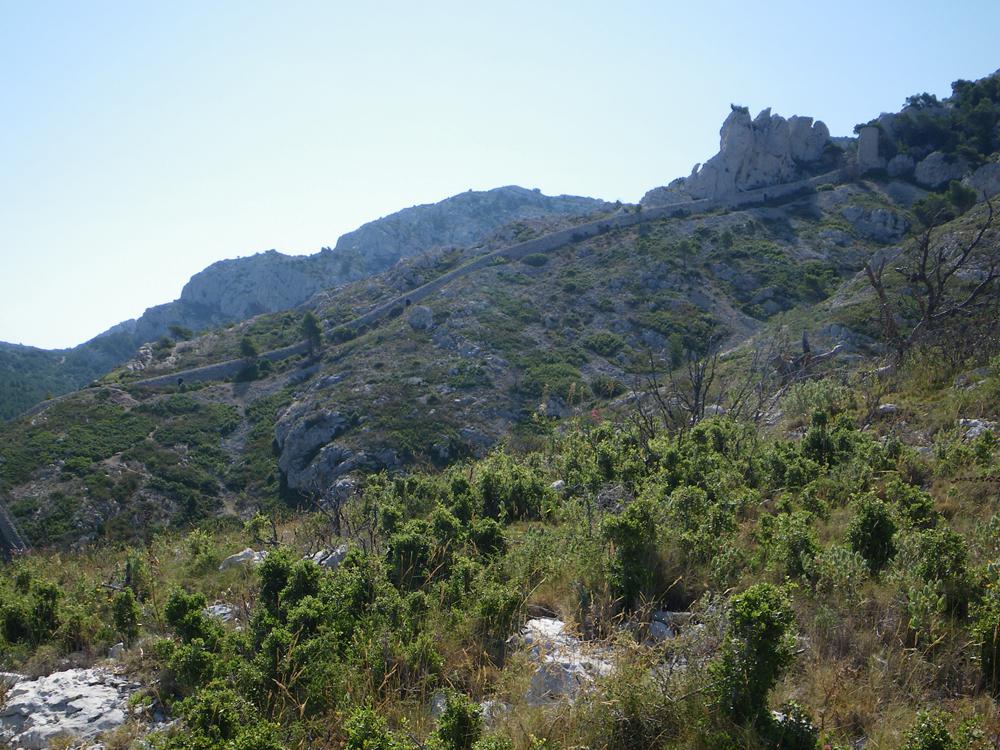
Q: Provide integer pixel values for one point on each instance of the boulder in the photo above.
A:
(973, 428)
(753, 153)
(900, 166)
(939, 168)
(879, 224)
(330, 559)
(74, 705)
(985, 180)
(246, 557)
(564, 663)
(421, 318)
(308, 460)
(221, 612)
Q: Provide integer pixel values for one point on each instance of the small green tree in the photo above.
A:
(987, 631)
(871, 532)
(757, 651)
(312, 331)
(632, 538)
(248, 349)
(126, 613)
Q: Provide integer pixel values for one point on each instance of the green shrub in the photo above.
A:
(535, 259)
(126, 613)
(793, 729)
(509, 489)
(605, 343)
(941, 555)
(757, 651)
(804, 399)
(929, 732)
(556, 378)
(987, 631)
(632, 539)
(460, 724)
(794, 543)
(367, 730)
(871, 532)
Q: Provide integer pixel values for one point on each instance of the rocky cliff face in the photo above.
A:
(767, 150)
(753, 153)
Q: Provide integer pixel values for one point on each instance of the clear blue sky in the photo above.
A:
(141, 141)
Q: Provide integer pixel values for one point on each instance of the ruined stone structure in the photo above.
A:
(868, 157)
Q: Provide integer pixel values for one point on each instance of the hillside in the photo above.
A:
(715, 470)
(233, 290)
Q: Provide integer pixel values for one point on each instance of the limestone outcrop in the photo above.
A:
(76, 704)
(753, 153)
(879, 224)
(939, 168)
(309, 459)
(564, 664)
(985, 180)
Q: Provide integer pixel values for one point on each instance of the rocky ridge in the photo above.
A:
(234, 290)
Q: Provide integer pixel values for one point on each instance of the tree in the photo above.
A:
(312, 331)
(945, 276)
(248, 349)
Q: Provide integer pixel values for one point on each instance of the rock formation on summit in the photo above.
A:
(767, 150)
(753, 153)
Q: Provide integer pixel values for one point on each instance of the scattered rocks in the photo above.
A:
(246, 557)
(565, 664)
(75, 704)
(973, 428)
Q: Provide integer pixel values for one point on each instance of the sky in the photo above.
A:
(142, 141)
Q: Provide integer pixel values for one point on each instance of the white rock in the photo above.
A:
(766, 150)
(330, 558)
(565, 664)
(660, 631)
(116, 651)
(76, 703)
(886, 409)
(246, 557)
(439, 701)
(221, 612)
(559, 485)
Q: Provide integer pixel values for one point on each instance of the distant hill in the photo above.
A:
(233, 290)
